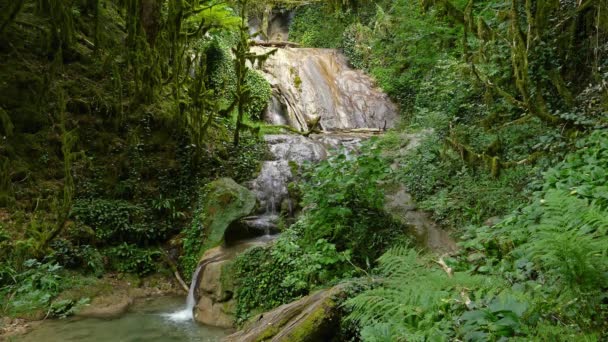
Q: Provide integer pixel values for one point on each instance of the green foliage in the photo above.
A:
(260, 94)
(166, 207)
(416, 302)
(356, 46)
(344, 204)
(342, 231)
(539, 271)
(193, 240)
(270, 276)
(242, 163)
(115, 221)
(585, 172)
(316, 26)
(33, 288)
(66, 307)
(84, 257)
(555, 247)
(129, 258)
(220, 67)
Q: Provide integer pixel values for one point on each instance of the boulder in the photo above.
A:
(224, 202)
(215, 304)
(312, 318)
(106, 307)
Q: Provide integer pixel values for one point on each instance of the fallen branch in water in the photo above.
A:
(173, 267)
(278, 44)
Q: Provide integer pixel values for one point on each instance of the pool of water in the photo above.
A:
(147, 320)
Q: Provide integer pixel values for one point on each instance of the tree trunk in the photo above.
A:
(150, 14)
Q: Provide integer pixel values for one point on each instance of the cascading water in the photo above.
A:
(308, 85)
(187, 313)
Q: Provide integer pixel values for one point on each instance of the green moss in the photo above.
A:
(309, 329)
(227, 281)
(268, 333)
(225, 202)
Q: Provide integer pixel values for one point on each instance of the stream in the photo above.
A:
(146, 321)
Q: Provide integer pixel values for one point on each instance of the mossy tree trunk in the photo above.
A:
(243, 55)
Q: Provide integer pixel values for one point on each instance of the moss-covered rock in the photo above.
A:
(312, 318)
(214, 290)
(225, 202)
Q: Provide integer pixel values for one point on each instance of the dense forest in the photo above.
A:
(139, 150)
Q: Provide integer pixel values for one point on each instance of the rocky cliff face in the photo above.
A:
(312, 83)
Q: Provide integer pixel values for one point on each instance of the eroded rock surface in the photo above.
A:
(312, 83)
(312, 318)
(214, 291)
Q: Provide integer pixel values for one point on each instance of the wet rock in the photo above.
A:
(251, 227)
(312, 318)
(225, 202)
(288, 151)
(400, 205)
(310, 83)
(215, 304)
(111, 306)
(214, 291)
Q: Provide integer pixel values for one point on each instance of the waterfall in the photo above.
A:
(308, 85)
(187, 313)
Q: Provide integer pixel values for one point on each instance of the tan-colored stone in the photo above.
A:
(107, 307)
(214, 314)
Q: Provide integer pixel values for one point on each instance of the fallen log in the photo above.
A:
(277, 44)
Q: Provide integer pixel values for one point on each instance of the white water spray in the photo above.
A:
(187, 313)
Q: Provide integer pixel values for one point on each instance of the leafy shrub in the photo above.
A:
(318, 26)
(116, 221)
(270, 276)
(221, 67)
(83, 257)
(32, 289)
(129, 258)
(585, 172)
(260, 92)
(344, 204)
(356, 45)
(456, 193)
(66, 307)
(242, 163)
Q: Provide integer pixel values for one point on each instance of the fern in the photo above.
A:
(415, 301)
(569, 249)
(571, 242)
